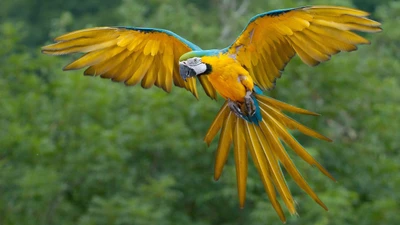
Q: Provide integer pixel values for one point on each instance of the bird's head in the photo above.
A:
(191, 64)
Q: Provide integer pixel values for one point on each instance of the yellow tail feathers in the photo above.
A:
(264, 142)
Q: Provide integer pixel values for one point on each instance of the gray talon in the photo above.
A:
(249, 106)
(249, 103)
(235, 107)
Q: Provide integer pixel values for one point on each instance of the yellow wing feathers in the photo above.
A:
(314, 33)
(264, 142)
(126, 55)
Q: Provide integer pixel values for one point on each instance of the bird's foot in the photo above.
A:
(249, 103)
(235, 108)
(245, 110)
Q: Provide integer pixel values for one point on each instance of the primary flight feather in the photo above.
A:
(248, 121)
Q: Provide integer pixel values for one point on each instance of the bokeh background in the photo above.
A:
(78, 150)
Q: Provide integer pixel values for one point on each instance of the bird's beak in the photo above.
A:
(185, 71)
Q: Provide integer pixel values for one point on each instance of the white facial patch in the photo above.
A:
(199, 69)
(197, 65)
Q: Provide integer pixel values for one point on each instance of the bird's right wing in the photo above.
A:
(131, 55)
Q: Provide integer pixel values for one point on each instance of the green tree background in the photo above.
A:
(78, 150)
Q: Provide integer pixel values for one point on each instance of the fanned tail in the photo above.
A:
(264, 141)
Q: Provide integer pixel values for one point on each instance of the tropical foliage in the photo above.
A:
(81, 150)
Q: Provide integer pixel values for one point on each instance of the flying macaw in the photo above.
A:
(240, 73)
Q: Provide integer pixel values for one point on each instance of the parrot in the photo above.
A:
(249, 122)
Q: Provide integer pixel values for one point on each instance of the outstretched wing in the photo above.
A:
(315, 33)
(130, 55)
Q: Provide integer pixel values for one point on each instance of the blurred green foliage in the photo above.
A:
(81, 150)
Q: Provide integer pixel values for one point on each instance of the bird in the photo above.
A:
(249, 122)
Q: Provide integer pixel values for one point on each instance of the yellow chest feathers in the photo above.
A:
(228, 77)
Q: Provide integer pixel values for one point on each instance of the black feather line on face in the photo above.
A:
(208, 70)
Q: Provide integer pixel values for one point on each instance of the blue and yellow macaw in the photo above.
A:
(239, 73)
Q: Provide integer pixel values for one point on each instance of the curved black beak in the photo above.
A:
(185, 71)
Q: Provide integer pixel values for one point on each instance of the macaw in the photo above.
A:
(248, 120)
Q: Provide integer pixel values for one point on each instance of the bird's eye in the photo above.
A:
(196, 61)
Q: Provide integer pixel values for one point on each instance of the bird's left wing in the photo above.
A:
(130, 55)
(315, 33)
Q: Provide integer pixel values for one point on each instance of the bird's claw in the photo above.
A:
(235, 108)
(249, 103)
(249, 106)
